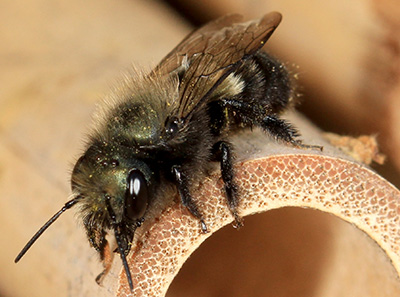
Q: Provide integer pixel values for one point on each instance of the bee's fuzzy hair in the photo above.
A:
(137, 87)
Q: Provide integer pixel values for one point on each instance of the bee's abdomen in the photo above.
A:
(266, 83)
(265, 89)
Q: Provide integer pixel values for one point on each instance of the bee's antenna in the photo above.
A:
(67, 206)
(121, 251)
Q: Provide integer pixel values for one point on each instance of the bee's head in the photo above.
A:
(114, 188)
(115, 191)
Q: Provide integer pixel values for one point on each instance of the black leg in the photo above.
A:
(223, 153)
(284, 131)
(255, 115)
(120, 243)
(186, 198)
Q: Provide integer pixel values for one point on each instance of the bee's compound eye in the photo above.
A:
(136, 196)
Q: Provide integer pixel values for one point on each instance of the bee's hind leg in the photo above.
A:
(282, 130)
(252, 115)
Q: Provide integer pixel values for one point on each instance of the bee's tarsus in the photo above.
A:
(203, 226)
(118, 239)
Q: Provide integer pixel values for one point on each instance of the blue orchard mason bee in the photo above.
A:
(170, 124)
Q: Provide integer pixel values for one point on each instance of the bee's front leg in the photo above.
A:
(186, 197)
(106, 257)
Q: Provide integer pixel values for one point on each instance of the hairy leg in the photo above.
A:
(223, 153)
(186, 198)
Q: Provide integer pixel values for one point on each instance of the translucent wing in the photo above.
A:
(190, 44)
(210, 53)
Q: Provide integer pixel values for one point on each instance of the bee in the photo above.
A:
(169, 125)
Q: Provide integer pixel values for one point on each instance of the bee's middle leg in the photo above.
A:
(222, 152)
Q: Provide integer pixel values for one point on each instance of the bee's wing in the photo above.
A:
(211, 53)
(190, 44)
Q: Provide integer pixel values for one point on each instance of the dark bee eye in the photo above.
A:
(136, 196)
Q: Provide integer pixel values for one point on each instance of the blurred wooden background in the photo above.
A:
(58, 58)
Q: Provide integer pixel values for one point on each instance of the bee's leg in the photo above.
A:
(252, 115)
(186, 197)
(284, 131)
(98, 241)
(222, 152)
(106, 256)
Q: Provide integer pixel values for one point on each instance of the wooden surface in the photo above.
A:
(287, 251)
(58, 59)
